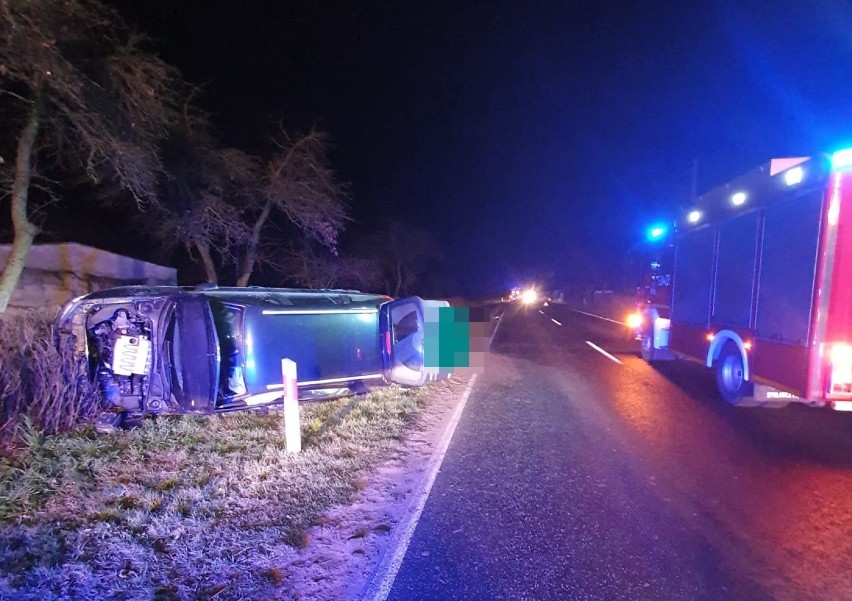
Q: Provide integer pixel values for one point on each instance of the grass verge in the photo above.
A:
(184, 508)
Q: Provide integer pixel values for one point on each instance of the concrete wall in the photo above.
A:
(56, 273)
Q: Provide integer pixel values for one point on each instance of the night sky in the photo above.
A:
(525, 135)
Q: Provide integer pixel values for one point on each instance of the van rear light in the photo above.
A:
(841, 369)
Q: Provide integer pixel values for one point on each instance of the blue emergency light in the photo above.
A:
(656, 232)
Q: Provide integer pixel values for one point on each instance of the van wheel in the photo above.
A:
(730, 377)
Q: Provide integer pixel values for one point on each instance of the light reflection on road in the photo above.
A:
(775, 511)
(769, 489)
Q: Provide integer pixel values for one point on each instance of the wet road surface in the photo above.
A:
(577, 475)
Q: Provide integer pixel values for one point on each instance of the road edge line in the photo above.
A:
(379, 585)
(621, 323)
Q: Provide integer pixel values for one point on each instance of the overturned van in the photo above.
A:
(174, 350)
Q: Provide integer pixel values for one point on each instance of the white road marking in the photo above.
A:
(540, 311)
(380, 585)
(603, 352)
(494, 331)
(621, 323)
(559, 323)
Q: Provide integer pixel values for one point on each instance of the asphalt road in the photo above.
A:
(573, 476)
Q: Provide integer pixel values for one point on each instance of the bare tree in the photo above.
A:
(300, 185)
(314, 267)
(202, 194)
(83, 92)
(405, 255)
(222, 204)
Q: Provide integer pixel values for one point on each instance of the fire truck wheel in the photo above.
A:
(648, 350)
(730, 377)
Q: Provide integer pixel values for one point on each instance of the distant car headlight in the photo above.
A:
(529, 297)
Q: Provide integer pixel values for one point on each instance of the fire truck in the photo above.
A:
(755, 282)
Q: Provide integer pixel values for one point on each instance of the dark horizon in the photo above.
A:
(529, 138)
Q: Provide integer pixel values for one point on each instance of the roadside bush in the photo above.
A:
(39, 387)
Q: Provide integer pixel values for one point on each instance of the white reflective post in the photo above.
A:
(292, 428)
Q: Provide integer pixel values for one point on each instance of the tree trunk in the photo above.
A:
(25, 231)
(207, 261)
(250, 256)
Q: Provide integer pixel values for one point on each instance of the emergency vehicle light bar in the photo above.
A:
(790, 169)
(794, 176)
(842, 159)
